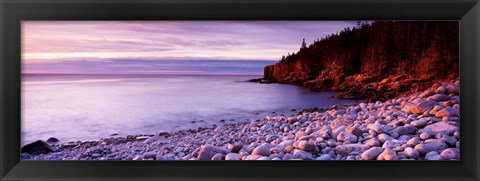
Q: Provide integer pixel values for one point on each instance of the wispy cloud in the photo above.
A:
(56, 43)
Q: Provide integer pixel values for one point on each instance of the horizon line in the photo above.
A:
(129, 74)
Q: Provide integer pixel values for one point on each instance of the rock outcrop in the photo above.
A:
(375, 61)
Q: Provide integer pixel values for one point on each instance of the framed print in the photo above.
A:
(246, 90)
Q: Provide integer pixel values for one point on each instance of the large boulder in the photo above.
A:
(37, 147)
(208, 151)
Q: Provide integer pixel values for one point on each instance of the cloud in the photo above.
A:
(78, 45)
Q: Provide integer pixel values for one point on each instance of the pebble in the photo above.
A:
(372, 153)
(424, 148)
(305, 145)
(261, 150)
(449, 154)
(232, 156)
(417, 127)
(389, 154)
(324, 157)
(411, 153)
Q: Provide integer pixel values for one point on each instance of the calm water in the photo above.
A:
(90, 107)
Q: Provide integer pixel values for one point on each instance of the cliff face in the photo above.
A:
(387, 57)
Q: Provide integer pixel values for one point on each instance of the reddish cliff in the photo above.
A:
(376, 61)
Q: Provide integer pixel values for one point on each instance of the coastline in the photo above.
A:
(421, 126)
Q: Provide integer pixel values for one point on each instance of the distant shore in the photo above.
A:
(420, 126)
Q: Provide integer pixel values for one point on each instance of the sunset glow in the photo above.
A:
(163, 46)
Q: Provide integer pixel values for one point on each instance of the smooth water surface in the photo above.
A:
(90, 107)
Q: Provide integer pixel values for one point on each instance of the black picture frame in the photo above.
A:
(12, 12)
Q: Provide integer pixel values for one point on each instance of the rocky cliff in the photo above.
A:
(378, 60)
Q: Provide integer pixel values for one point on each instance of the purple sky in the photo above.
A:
(193, 47)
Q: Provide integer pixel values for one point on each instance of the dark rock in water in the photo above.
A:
(52, 140)
(37, 147)
(261, 81)
(222, 120)
(192, 121)
(114, 134)
(130, 137)
(164, 134)
(116, 140)
(293, 109)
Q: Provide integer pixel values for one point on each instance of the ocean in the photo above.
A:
(91, 107)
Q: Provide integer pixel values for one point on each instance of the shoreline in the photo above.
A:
(421, 126)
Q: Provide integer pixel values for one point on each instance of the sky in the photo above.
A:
(164, 47)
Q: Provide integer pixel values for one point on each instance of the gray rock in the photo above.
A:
(36, 148)
(52, 140)
(430, 154)
(324, 157)
(413, 141)
(449, 153)
(263, 158)
(160, 157)
(419, 108)
(287, 156)
(337, 131)
(401, 130)
(436, 143)
(153, 139)
(435, 157)
(447, 112)
(424, 148)
(450, 140)
(96, 155)
(356, 129)
(208, 151)
(453, 119)
(253, 157)
(411, 153)
(441, 127)
(25, 156)
(427, 93)
(351, 149)
(424, 136)
(343, 136)
(419, 123)
(261, 150)
(372, 153)
(236, 147)
(383, 137)
(300, 154)
(138, 157)
(375, 127)
(389, 154)
(439, 97)
(372, 142)
(305, 145)
(218, 156)
(232, 156)
(300, 134)
(148, 155)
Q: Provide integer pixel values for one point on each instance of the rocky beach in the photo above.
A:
(422, 125)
